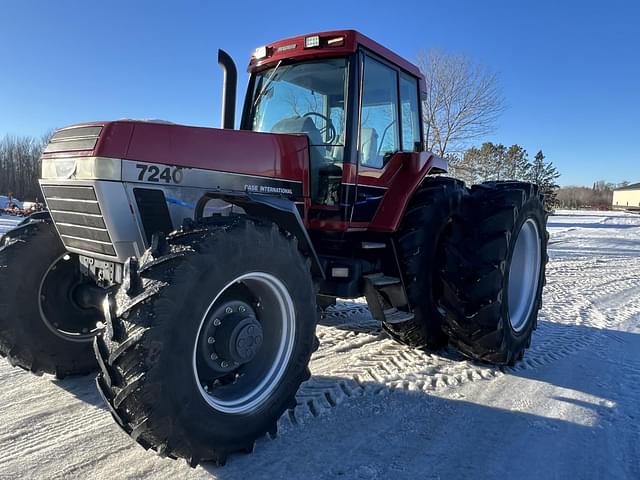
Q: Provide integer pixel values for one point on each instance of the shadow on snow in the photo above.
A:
(400, 433)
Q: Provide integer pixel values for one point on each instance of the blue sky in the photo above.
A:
(570, 71)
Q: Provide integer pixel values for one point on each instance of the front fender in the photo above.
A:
(279, 210)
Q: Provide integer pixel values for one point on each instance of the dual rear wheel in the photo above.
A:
(494, 271)
(473, 262)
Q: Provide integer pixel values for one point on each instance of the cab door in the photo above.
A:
(389, 131)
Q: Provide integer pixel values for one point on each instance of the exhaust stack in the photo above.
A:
(228, 89)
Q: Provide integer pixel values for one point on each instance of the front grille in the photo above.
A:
(77, 215)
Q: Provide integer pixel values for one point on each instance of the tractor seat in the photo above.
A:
(299, 125)
(369, 148)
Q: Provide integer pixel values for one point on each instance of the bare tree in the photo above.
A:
(600, 196)
(462, 103)
(20, 165)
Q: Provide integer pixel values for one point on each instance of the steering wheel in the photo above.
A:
(328, 128)
(384, 133)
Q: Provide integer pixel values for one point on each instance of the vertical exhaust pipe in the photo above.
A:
(229, 83)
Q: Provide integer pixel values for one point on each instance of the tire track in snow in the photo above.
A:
(50, 431)
(583, 296)
(374, 363)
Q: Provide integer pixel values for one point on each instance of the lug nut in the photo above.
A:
(228, 310)
(211, 340)
(224, 364)
(216, 322)
(214, 356)
(242, 309)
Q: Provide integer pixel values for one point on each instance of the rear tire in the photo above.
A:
(37, 278)
(170, 357)
(495, 270)
(419, 244)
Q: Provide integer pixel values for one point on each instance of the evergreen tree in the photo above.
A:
(544, 174)
(516, 163)
(487, 161)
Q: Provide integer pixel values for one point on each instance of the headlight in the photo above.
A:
(82, 168)
(99, 168)
(58, 168)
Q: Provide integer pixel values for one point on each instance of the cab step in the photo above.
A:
(394, 316)
(381, 280)
(386, 298)
(373, 245)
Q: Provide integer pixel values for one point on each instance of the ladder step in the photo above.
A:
(393, 315)
(381, 280)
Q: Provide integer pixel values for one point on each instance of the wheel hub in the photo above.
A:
(233, 336)
(59, 307)
(241, 340)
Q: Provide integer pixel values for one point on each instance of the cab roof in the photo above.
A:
(331, 44)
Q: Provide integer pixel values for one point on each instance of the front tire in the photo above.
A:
(42, 329)
(212, 350)
(495, 270)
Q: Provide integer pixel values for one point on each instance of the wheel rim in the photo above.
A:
(59, 281)
(244, 343)
(524, 274)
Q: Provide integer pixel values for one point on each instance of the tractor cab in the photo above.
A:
(358, 104)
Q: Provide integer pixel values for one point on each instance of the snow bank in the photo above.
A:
(7, 222)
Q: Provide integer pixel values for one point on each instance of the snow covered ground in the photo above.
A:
(376, 410)
(7, 222)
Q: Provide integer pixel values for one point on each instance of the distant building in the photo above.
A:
(627, 198)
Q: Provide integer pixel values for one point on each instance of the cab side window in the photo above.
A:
(410, 114)
(379, 129)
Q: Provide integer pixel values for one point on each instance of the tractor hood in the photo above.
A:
(102, 150)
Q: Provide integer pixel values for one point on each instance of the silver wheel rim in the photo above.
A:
(524, 274)
(276, 304)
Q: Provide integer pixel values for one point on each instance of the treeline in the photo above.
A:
(20, 166)
(599, 196)
(491, 162)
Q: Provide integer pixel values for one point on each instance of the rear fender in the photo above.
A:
(415, 167)
(281, 211)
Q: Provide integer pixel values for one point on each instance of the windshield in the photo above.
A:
(307, 98)
(304, 97)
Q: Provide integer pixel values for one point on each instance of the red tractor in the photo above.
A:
(192, 263)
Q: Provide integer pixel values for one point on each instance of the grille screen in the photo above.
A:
(77, 215)
(74, 138)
